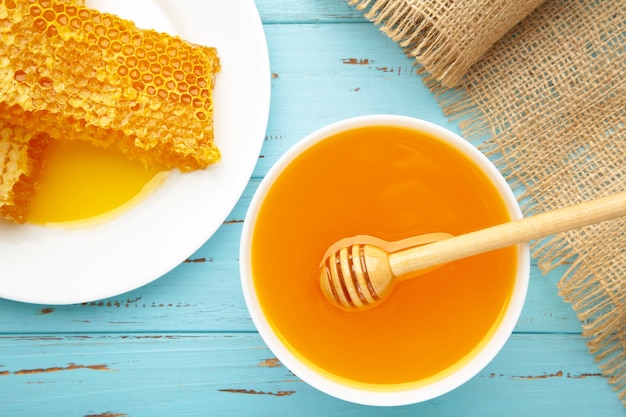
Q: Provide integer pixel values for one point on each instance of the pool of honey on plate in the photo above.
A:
(391, 183)
(80, 182)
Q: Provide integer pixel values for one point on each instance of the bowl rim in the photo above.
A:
(361, 394)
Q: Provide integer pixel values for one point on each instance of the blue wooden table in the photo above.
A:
(184, 345)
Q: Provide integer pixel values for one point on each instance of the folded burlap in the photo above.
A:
(544, 84)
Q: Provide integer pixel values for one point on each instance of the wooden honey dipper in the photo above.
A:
(357, 273)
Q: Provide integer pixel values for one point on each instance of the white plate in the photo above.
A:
(52, 265)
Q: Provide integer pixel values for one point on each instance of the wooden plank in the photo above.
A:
(294, 11)
(234, 374)
(363, 72)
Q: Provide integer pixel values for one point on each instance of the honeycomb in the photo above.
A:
(21, 160)
(75, 73)
(21, 157)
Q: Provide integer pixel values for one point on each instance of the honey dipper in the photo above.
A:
(357, 273)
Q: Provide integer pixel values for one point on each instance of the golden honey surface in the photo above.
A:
(80, 182)
(390, 183)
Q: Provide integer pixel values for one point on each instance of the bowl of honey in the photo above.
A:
(392, 177)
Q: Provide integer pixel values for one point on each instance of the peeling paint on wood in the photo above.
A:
(356, 61)
(107, 414)
(132, 303)
(558, 374)
(69, 367)
(585, 375)
(253, 392)
(114, 303)
(197, 260)
(271, 363)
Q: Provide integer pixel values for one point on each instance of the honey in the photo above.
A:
(80, 182)
(391, 183)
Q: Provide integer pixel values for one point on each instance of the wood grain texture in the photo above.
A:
(196, 374)
(184, 345)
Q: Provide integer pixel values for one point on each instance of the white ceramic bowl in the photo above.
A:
(352, 392)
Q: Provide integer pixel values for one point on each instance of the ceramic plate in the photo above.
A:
(63, 265)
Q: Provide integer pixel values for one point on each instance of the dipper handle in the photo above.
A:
(507, 234)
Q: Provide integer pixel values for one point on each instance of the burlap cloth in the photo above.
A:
(542, 84)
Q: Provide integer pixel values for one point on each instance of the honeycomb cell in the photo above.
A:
(76, 23)
(176, 63)
(45, 82)
(124, 37)
(116, 46)
(35, 11)
(52, 31)
(100, 30)
(163, 60)
(104, 43)
(63, 19)
(19, 76)
(134, 74)
(127, 49)
(179, 75)
(143, 65)
(40, 24)
(107, 20)
(84, 14)
(136, 40)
